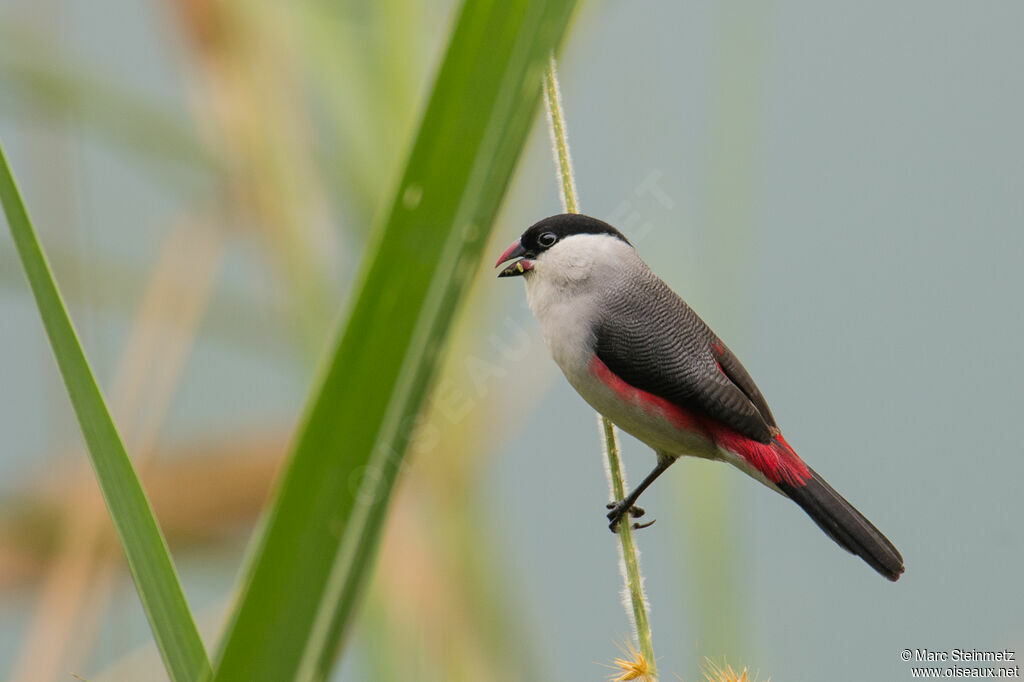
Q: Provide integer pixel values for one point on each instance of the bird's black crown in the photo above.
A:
(546, 233)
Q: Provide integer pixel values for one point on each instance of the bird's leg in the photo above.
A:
(620, 508)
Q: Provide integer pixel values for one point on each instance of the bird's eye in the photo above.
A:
(547, 239)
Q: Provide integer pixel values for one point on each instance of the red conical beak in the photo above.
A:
(520, 266)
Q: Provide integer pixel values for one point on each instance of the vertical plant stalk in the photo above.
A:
(560, 138)
(616, 479)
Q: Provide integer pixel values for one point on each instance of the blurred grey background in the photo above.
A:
(837, 188)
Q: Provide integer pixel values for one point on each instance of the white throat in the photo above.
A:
(566, 287)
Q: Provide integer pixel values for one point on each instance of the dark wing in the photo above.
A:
(652, 340)
(730, 364)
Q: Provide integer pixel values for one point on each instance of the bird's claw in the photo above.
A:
(634, 511)
(618, 510)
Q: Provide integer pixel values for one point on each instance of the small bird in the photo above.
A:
(640, 356)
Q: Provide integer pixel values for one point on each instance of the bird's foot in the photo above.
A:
(619, 509)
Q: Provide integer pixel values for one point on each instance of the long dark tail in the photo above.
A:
(845, 525)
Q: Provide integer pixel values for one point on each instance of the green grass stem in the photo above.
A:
(630, 555)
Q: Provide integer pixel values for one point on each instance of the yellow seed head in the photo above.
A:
(633, 666)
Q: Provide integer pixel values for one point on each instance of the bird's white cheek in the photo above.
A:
(568, 266)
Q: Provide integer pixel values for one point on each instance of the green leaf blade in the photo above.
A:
(145, 549)
(321, 533)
